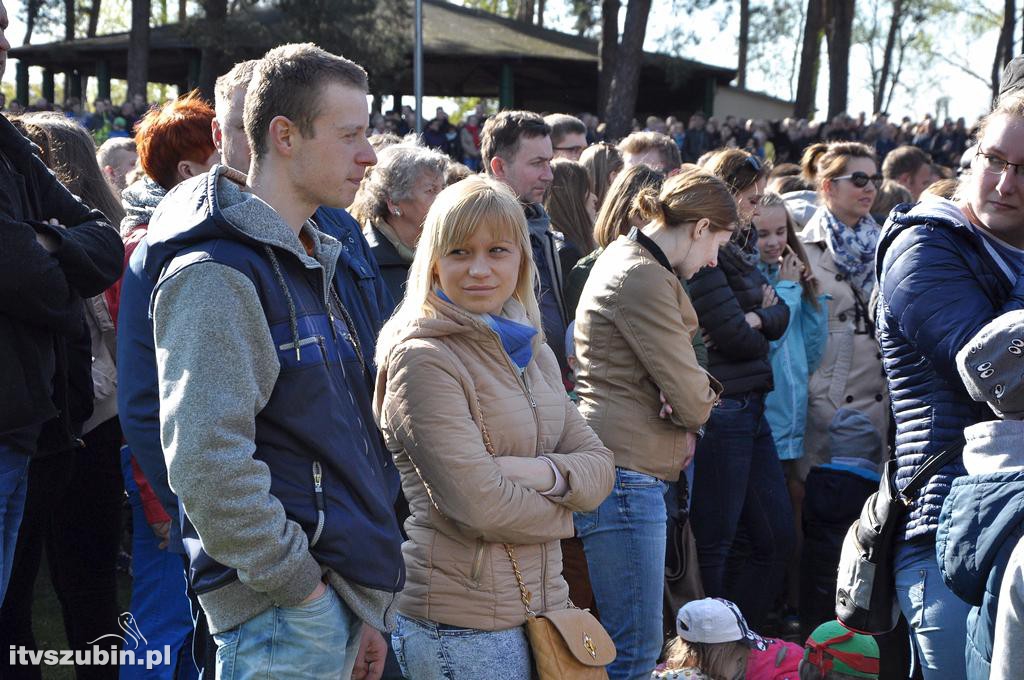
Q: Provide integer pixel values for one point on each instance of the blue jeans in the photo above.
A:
(937, 617)
(624, 540)
(739, 490)
(428, 650)
(13, 485)
(315, 640)
(159, 594)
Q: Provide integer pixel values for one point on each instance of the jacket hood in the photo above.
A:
(140, 201)
(981, 513)
(935, 212)
(994, 446)
(217, 205)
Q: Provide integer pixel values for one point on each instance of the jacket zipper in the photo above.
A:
(318, 497)
(478, 563)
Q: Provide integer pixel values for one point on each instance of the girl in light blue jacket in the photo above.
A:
(797, 353)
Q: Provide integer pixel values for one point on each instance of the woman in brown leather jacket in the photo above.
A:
(645, 395)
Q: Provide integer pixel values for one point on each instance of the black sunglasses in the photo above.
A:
(861, 179)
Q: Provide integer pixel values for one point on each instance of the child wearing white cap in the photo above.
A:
(715, 643)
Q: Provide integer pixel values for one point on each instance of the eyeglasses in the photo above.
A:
(861, 179)
(998, 166)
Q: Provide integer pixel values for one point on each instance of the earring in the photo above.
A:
(396, 212)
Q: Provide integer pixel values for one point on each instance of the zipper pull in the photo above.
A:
(318, 488)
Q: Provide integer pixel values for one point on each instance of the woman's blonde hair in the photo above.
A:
(721, 661)
(566, 203)
(688, 197)
(601, 160)
(474, 203)
(617, 208)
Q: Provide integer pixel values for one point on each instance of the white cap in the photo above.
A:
(714, 621)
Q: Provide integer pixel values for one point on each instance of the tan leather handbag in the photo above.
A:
(567, 644)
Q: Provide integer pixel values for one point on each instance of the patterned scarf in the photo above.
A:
(853, 249)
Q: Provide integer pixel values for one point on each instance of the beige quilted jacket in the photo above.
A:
(439, 389)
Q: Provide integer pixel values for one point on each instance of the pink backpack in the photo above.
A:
(781, 661)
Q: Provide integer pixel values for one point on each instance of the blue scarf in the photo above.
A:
(515, 337)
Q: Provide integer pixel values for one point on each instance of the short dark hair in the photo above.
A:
(563, 124)
(288, 81)
(641, 142)
(502, 132)
(902, 160)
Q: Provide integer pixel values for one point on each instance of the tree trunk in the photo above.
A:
(741, 66)
(807, 79)
(608, 45)
(890, 44)
(138, 48)
(839, 31)
(94, 19)
(31, 12)
(69, 19)
(524, 11)
(540, 13)
(182, 14)
(212, 56)
(625, 83)
(1004, 48)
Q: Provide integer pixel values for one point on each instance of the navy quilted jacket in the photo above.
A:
(940, 282)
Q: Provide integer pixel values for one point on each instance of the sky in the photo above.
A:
(969, 98)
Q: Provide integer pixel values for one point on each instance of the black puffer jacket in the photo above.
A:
(41, 295)
(722, 295)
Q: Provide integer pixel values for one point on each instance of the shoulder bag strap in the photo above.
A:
(929, 468)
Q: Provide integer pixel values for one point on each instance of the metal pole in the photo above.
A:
(417, 67)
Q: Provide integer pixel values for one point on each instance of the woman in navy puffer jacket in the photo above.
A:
(945, 270)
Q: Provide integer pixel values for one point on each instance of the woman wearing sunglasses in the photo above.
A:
(947, 268)
(840, 240)
(738, 485)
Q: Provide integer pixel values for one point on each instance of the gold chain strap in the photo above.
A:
(524, 592)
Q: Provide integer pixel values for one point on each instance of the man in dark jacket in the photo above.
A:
(516, 148)
(265, 388)
(54, 251)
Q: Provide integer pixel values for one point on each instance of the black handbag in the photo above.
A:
(866, 588)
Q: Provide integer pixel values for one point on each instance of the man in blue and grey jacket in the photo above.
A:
(264, 385)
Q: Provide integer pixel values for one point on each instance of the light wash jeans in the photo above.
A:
(937, 617)
(625, 544)
(428, 650)
(315, 640)
(13, 485)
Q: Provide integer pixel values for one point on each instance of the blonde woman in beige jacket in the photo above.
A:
(490, 449)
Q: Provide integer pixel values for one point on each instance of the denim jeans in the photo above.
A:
(625, 544)
(13, 485)
(937, 617)
(428, 650)
(319, 639)
(159, 598)
(739, 488)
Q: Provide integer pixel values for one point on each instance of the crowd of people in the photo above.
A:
(381, 402)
